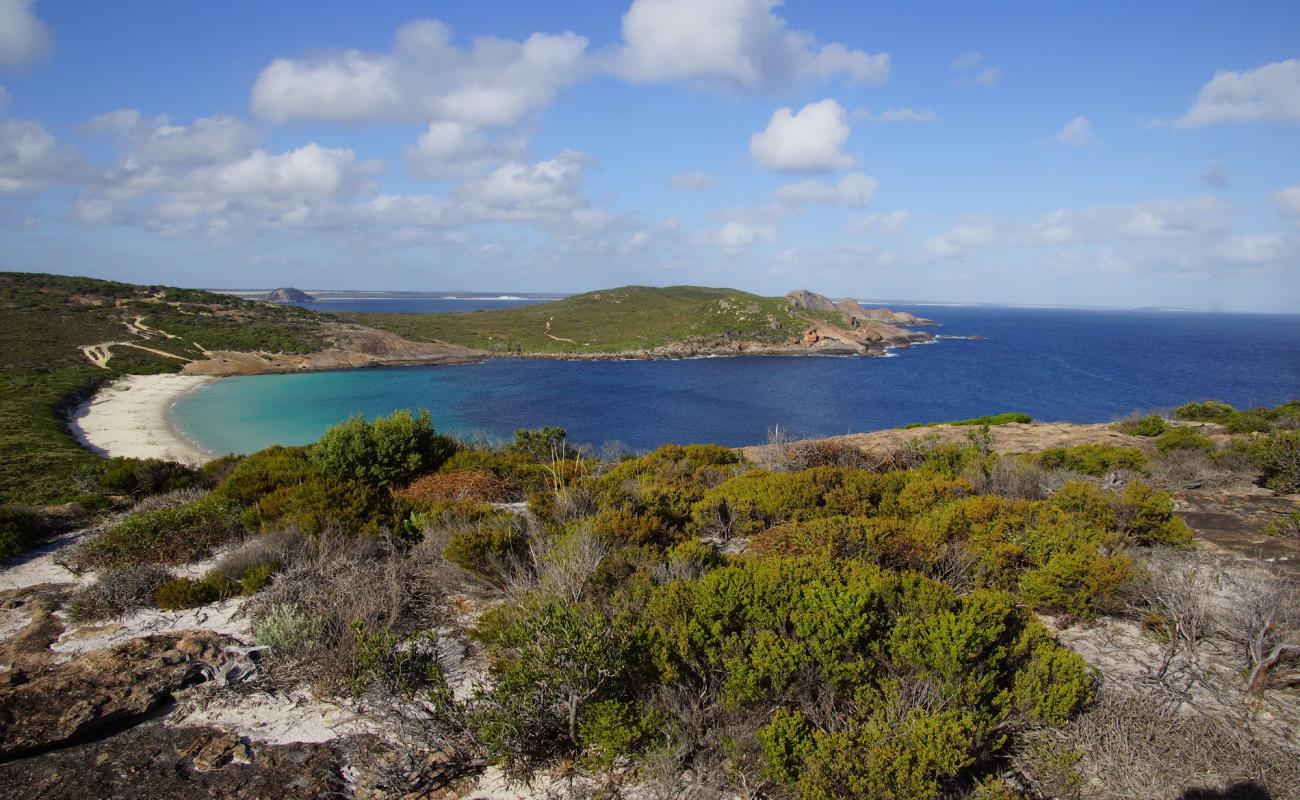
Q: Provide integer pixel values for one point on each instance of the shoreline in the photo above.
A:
(129, 417)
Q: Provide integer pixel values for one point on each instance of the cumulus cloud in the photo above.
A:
(1163, 218)
(809, 141)
(735, 237)
(1288, 202)
(971, 69)
(1263, 94)
(854, 191)
(892, 222)
(23, 37)
(520, 192)
(424, 77)
(739, 43)
(31, 159)
(1078, 132)
(450, 149)
(693, 181)
(1169, 225)
(160, 141)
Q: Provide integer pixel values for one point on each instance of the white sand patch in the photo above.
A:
(219, 618)
(40, 564)
(271, 718)
(129, 418)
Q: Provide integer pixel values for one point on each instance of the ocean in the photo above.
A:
(1055, 364)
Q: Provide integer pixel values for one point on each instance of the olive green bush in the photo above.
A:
(385, 451)
(1093, 459)
(167, 535)
(1278, 458)
(145, 476)
(20, 529)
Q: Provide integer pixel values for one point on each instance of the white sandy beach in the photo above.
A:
(129, 418)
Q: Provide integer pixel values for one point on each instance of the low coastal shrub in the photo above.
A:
(386, 451)
(264, 472)
(145, 476)
(166, 535)
(1184, 439)
(1284, 525)
(183, 593)
(1207, 411)
(1093, 459)
(117, 592)
(20, 529)
(1278, 458)
(542, 445)
(1149, 426)
(996, 419)
(287, 629)
(488, 544)
(323, 502)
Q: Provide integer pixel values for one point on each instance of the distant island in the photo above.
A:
(669, 322)
(286, 295)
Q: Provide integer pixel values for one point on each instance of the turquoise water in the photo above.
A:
(1083, 366)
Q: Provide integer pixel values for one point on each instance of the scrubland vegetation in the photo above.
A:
(832, 624)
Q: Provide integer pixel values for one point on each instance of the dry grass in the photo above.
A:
(1132, 748)
(117, 593)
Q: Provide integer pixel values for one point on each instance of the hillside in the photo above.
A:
(642, 320)
(62, 337)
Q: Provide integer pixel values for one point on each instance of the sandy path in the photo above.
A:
(129, 418)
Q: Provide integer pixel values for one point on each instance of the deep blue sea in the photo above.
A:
(1082, 366)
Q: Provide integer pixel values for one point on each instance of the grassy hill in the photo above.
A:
(45, 320)
(619, 320)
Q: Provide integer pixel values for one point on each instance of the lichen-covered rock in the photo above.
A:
(58, 704)
(151, 762)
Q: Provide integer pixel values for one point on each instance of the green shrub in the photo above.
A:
(1252, 421)
(1278, 458)
(1146, 515)
(386, 451)
(1093, 459)
(756, 500)
(167, 535)
(20, 529)
(541, 445)
(612, 729)
(404, 669)
(1208, 411)
(1077, 582)
(487, 543)
(182, 593)
(996, 419)
(256, 579)
(264, 472)
(139, 477)
(320, 503)
(1152, 425)
(1054, 685)
(1184, 439)
(1284, 525)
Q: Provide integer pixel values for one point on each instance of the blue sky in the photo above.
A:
(1114, 154)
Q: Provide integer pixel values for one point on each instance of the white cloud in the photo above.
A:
(732, 43)
(693, 181)
(31, 159)
(158, 141)
(424, 77)
(541, 192)
(809, 141)
(962, 238)
(894, 115)
(1078, 132)
(1163, 218)
(23, 37)
(1288, 202)
(1267, 93)
(449, 149)
(971, 69)
(4, 99)
(854, 190)
(892, 222)
(735, 237)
